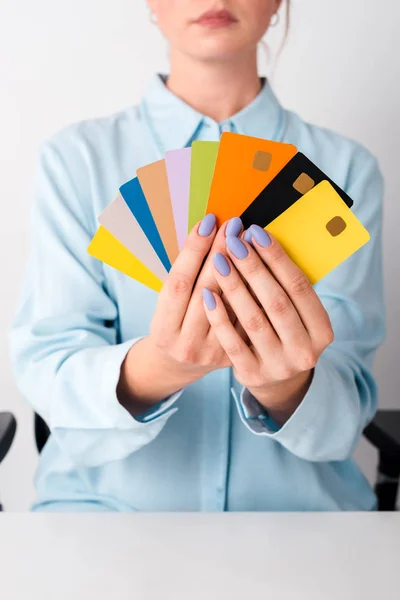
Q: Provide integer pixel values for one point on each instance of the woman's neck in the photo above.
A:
(215, 89)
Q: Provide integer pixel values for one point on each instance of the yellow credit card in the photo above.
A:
(319, 231)
(105, 247)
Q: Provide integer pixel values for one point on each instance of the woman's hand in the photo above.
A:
(181, 347)
(287, 326)
(180, 327)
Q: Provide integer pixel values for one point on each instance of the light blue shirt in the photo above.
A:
(209, 447)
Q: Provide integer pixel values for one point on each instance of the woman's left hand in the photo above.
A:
(287, 326)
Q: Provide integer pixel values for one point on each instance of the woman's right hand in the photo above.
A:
(180, 328)
(181, 348)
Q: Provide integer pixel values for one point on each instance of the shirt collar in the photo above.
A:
(174, 123)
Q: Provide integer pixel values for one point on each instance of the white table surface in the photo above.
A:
(275, 556)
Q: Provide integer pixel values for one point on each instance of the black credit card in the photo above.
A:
(297, 178)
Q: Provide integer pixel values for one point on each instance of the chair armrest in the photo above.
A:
(384, 433)
(8, 427)
(42, 432)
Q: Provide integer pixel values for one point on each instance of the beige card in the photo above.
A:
(120, 222)
(154, 183)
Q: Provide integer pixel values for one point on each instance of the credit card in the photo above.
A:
(136, 201)
(105, 247)
(319, 231)
(245, 165)
(120, 222)
(154, 183)
(204, 155)
(177, 163)
(296, 179)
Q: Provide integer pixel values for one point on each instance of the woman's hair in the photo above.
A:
(265, 45)
(287, 18)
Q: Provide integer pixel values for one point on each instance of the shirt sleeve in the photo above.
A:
(64, 341)
(342, 397)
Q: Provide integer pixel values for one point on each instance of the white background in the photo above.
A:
(66, 61)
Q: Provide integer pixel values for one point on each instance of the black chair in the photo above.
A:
(383, 433)
(8, 427)
(42, 432)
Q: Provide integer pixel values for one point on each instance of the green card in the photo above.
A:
(204, 155)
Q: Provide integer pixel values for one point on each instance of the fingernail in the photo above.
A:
(209, 299)
(260, 235)
(248, 237)
(236, 246)
(234, 226)
(207, 225)
(221, 263)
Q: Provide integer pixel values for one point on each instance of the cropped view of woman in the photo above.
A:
(240, 387)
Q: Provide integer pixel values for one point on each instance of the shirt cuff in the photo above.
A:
(326, 425)
(301, 424)
(253, 414)
(160, 409)
(98, 429)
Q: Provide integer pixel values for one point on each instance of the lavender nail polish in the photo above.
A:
(260, 235)
(221, 263)
(248, 237)
(209, 299)
(234, 226)
(236, 246)
(207, 225)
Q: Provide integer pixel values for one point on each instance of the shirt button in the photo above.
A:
(225, 126)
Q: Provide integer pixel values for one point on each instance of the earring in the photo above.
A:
(153, 17)
(274, 20)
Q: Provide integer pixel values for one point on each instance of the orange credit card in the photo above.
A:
(244, 166)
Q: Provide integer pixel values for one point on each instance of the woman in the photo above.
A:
(184, 401)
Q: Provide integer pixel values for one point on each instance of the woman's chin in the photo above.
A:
(216, 50)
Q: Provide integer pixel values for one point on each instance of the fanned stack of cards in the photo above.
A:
(264, 182)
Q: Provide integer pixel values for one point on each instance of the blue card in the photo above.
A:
(135, 199)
